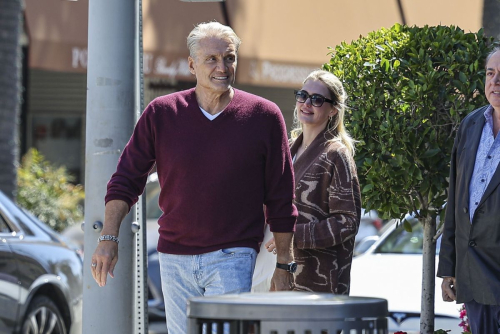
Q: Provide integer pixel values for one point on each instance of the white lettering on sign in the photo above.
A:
(253, 71)
(79, 57)
(176, 67)
(150, 65)
(284, 73)
(160, 65)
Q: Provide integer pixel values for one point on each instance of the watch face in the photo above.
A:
(292, 267)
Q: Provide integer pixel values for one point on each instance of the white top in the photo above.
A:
(210, 116)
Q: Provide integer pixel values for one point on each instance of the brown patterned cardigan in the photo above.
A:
(328, 199)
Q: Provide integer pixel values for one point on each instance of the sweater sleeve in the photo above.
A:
(281, 213)
(344, 207)
(135, 162)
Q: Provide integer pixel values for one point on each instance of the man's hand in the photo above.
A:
(282, 280)
(104, 261)
(448, 289)
(105, 255)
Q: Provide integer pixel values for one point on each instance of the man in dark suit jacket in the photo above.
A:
(469, 259)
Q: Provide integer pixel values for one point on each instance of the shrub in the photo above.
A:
(47, 192)
(409, 89)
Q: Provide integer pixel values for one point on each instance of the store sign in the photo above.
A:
(278, 72)
(249, 71)
(79, 58)
(160, 66)
(165, 67)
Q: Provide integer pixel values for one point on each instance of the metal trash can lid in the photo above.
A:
(286, 305)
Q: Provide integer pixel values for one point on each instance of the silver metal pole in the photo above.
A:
(111, 102)
(140, 286)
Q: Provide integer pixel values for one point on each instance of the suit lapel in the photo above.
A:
(473, 136)
(495, 180)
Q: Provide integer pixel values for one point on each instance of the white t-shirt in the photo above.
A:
(210, 116)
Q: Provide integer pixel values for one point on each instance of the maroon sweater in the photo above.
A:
(214, 175)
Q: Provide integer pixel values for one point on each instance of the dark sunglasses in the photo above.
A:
(316, 99)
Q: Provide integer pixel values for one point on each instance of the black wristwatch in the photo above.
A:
(291, 267)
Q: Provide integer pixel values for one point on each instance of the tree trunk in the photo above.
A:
(428, 277)
(491, 19)
(10, 69)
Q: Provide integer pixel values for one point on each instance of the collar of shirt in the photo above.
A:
(488, 116)
(209, 115)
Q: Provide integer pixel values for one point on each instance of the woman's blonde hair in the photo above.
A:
(335, 125)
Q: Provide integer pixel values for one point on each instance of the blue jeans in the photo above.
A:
(220, 272)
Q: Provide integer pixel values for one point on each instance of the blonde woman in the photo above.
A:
(327, 192)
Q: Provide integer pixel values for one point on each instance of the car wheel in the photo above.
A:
(43, 317)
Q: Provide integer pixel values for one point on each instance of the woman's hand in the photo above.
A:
(271, 246)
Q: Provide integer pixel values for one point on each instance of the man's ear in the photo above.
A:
(191, 65)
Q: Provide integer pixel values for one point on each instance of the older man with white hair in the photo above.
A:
(221, 155)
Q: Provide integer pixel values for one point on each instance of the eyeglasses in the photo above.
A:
(316, 99)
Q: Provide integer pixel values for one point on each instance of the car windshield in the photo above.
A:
(399, 241)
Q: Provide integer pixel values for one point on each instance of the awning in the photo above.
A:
(283, 40)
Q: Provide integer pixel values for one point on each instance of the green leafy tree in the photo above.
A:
(47, 192)
(409, 89)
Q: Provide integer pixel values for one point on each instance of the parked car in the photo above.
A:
(41, 277)
(391, 268)
(369, 225)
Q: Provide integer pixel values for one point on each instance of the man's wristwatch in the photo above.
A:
(290, 267)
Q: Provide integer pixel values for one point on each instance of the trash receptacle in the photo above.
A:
(287, 313)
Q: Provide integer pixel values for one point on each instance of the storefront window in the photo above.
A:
(59, 139)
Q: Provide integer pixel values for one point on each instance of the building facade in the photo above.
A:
(283, 40)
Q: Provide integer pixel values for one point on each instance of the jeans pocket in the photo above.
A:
(244, 252)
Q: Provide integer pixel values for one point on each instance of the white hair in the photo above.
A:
(210, 29)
